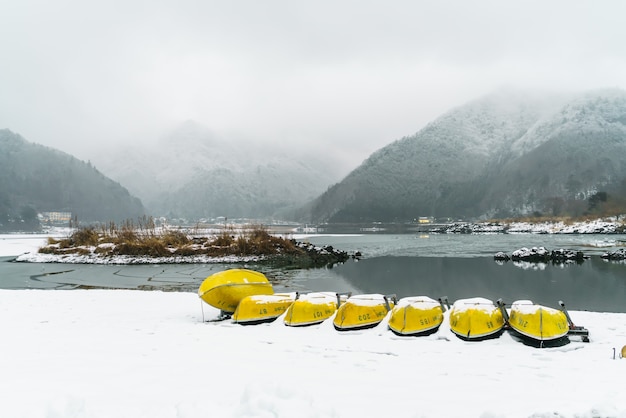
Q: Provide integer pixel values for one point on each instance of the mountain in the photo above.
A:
(35, 179)
(193, 173)
(506, 154)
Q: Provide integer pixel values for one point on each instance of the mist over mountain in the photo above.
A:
(506, 154)
(35, 179)
(193, 173)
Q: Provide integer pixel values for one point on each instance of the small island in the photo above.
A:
(131, 244)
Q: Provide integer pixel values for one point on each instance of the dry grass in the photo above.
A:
(82, 237)
(144, 239)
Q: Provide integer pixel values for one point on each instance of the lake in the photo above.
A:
(456, 266)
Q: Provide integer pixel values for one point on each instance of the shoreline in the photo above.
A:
(597, 226)
(29, 252)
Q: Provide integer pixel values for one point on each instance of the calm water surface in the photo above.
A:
(456, 266)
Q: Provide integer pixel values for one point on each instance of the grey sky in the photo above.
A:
(354, 75)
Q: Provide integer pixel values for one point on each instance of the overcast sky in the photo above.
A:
(355, 75)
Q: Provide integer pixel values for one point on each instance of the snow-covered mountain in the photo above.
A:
(505, 154)
(508, 153)
(193, 173)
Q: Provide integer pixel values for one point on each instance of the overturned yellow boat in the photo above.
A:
(537, 324)
(416, 316)
(313, 308)
(476, 319)
(256, 309)
(363, 311)
(225, 289)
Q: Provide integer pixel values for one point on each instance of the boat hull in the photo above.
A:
(312, 308)
(476, 319)
(257, 309)
(225, 289)
(538, 325)
(361, 312)
(416, 316)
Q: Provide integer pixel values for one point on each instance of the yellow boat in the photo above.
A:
(538, 325)
(416, 316)
(363, 311)
(313, 308)
(476, 319)
(256, 309)
(225, 289)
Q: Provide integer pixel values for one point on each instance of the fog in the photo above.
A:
(347, 76)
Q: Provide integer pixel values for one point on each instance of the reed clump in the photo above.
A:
(82, 237)
(258, 241)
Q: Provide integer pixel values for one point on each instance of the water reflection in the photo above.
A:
(594, 285)
(461, 245)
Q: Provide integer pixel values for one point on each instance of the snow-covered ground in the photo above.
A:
(595, 226)
(16, 244)
(120, 353)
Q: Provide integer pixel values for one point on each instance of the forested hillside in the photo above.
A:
(35, 179)
(507, 154)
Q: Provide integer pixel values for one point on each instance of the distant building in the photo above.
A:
(55, 217)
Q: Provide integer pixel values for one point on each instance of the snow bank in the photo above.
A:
(124, 353)
(104, 353)
(93, 258)
(598, 226)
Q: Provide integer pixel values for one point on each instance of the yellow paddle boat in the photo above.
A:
(256, 309)
(416, 316)
(313, 308)
(538, 325)
(476, 319)
(225, 289)
(363, 311)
